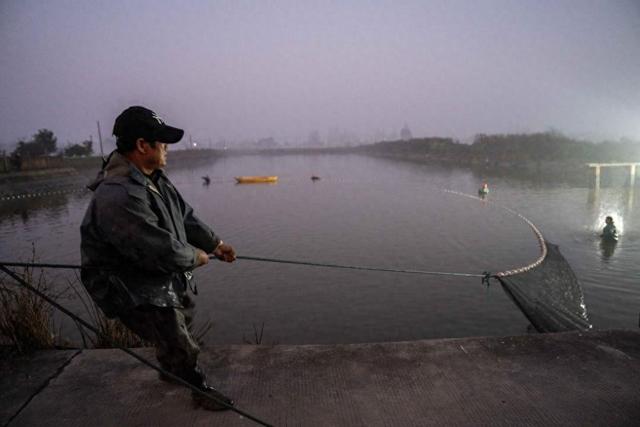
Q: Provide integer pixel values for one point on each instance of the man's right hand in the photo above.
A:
(225, 252)
(201, 257)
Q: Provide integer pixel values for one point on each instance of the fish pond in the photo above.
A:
(373, 212)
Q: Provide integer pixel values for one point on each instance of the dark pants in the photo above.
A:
(167, 328)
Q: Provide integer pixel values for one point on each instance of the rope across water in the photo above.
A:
(536, 231)
(357, 267)
(273, 260)
(534, 264)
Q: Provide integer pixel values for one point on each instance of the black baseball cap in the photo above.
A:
(140, 122)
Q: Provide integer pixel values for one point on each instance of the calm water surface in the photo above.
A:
(372, 212)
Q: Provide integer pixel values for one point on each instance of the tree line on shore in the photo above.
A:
(511, 149)
(45, 143)
(41, 152)
(503, 149)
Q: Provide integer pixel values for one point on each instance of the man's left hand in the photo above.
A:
(225, 252)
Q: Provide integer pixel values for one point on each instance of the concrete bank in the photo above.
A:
(569, 379)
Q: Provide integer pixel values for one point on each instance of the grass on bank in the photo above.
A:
(111, 332)
(27, 321)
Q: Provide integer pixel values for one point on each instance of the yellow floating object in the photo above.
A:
(256, 179)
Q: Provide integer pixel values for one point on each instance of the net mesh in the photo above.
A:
(549, 295)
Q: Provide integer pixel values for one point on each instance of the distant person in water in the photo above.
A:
(609, 232)
(484, 190)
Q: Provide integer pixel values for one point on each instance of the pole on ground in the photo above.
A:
(100, 139)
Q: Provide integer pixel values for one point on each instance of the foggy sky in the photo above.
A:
(240, 70)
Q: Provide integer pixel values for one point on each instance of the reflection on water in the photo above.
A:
(373, 212)
(26, 209)
(607, 247)
(49, 222)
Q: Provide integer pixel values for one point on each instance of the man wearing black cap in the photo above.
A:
(146, 240)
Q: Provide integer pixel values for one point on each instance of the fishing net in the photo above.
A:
(547, 291)
(549, 294)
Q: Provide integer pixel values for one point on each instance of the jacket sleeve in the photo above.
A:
(127, 222)
(198, 233)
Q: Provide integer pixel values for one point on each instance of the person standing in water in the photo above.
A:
(484, 190)
(609, 232)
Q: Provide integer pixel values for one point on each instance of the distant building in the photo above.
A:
(405, 133)
(337, 137)
(267, 143)
(314, 139)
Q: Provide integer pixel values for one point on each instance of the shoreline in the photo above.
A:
(562, 172)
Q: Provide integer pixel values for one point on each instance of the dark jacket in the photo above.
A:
(609, 232)
(142, 235)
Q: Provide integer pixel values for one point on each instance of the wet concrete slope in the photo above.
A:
(569, 379)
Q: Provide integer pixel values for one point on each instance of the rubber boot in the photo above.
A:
(220, 402)
(193, 376)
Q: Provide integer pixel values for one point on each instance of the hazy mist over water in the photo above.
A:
(372, 212)
(354, 72)
(342, 73)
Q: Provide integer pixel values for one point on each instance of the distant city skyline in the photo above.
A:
(245, 71)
